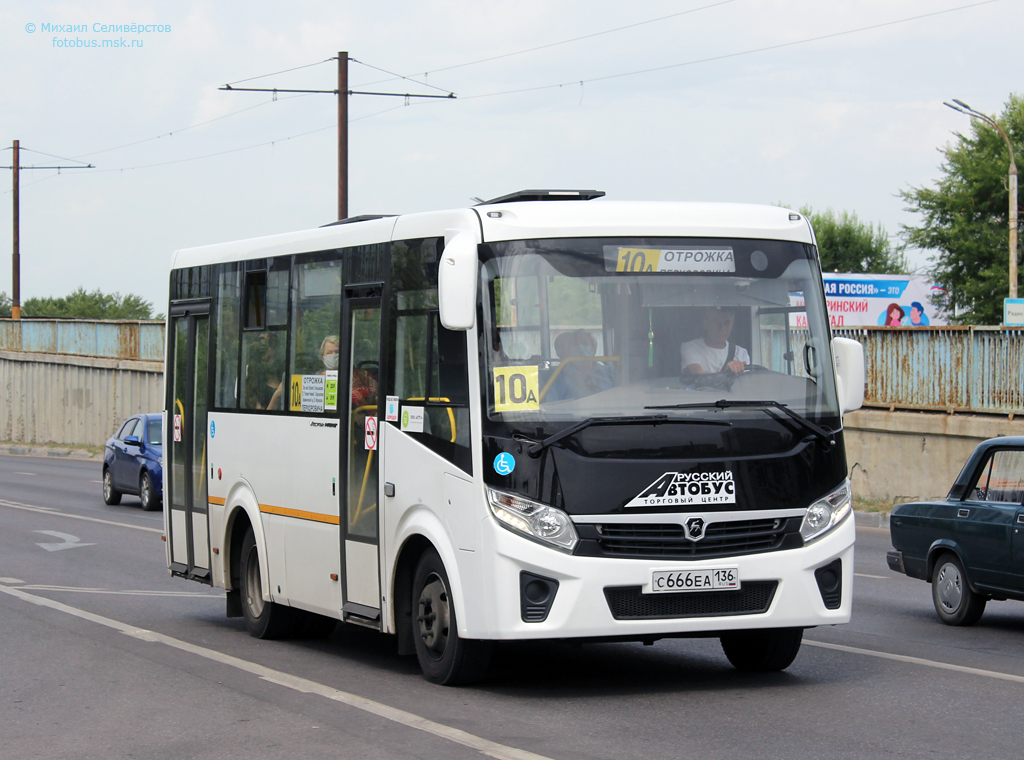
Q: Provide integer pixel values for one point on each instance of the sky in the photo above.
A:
(833, 104)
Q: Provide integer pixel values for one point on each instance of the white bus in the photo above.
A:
(543, 417)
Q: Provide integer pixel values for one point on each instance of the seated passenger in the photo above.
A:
(264, 386)
(578, 376)
(713, 352)
(328, 353)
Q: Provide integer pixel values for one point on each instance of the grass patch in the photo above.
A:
(872, 505)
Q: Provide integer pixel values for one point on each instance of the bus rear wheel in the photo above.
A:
(763, 651)
(263, 619)
(444, 657)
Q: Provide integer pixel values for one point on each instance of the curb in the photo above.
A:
(42, 451)
(871, 519)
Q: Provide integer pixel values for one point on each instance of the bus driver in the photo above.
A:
(713, 352)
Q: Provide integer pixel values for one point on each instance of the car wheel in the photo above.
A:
(762, 651)
(149, 500)
(263, 620)
(955, 602)
(111, 495)
(444, 657)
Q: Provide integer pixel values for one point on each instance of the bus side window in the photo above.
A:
(428, 364)
(229, 310)
(316, 317)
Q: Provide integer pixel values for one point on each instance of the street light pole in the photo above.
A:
(966, 109)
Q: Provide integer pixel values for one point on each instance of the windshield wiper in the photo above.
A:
(536, 447)
(824, 434)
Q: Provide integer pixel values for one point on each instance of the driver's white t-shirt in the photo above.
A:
(710, 359)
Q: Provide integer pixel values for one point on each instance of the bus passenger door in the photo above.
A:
(185, 484)
(361, 517)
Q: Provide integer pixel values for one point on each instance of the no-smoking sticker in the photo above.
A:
(177, 428)
(370, 433)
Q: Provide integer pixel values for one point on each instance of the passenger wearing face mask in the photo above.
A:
(329, 351)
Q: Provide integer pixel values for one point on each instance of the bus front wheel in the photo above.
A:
(263, 620)
(444, 657)
(762, 651)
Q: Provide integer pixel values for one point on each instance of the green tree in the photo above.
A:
(5, 305)
(846, 244)
(89, 305)
(964, 217)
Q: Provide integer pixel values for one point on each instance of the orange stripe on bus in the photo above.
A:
(315, 516)
(217, 501)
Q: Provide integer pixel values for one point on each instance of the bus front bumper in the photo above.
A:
(611, 597)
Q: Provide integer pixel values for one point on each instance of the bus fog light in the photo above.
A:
(537, 521)
(825, 514)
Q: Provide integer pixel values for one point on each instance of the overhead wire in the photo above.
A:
(729, 55)
(191, 126)
(553, 44)
(41, 153)
(400, 76)
(580, 82)
(285, 71)
(248, 147)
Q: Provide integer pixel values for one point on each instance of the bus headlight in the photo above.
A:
(825, 514)
(540, 522)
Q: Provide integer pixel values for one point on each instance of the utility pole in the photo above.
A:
(342, 93)
(342, 135)
(16, 256)
(16, 168)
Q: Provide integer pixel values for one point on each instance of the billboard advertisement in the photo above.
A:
(878, 300)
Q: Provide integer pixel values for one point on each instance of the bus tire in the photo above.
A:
(263, 620)
(763, 651)
(444, 657)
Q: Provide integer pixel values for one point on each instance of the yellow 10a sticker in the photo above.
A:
(516, 389)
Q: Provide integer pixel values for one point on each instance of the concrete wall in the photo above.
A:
(907, 456)
(59, 398)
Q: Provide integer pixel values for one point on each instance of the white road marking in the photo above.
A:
(67, 541)
(50, 511)
(304, 685)
(917, 661)
(140, 592)
(26, 473)
(11, 581)
(865, 575)
(97, 481)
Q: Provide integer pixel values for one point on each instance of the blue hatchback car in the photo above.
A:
(133, 462)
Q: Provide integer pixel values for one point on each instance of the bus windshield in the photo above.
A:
(607, 327)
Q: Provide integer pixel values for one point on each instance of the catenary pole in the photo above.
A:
(342, 135)
(16, 168)
(16, 257)
(342, 92)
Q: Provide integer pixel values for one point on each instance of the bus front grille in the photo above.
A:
(627, 603)
(669, 541)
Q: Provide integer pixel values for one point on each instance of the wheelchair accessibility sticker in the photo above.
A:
(504, 463)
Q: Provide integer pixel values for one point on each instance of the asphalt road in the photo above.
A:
(103, 655)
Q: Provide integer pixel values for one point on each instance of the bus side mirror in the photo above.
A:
(457, 281)
(849, 356)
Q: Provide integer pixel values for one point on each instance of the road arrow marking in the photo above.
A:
(69, 541)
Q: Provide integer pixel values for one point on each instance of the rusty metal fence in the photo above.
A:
(75, 381)
(952, 369)
(113, 339)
